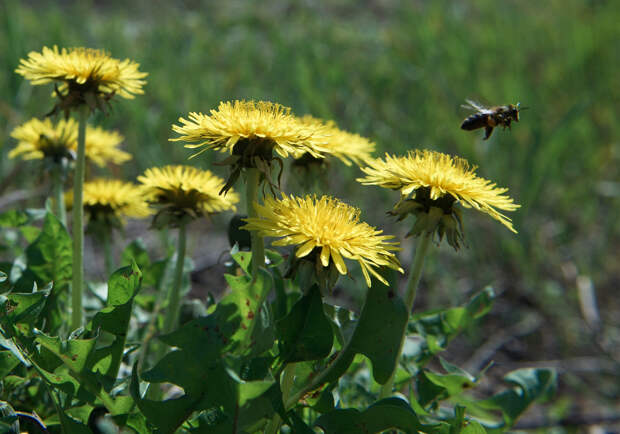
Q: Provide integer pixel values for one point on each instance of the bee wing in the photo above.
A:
(473, 105)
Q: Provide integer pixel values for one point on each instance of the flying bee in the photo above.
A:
(490, 118)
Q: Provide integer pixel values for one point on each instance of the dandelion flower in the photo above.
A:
(328, 230)
(102, 147)
(108, 201)
(185, 191)
(436, 180)
(348, 147)
(39, 139)
(251, 132)
(85, 75)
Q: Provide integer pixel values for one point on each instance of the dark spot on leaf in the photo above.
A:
(390, 294)
(243, 326)
(247, 302)
(74, 357)
(224, 339)
(250, 315)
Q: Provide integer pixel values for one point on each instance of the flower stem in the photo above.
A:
(107, 254)
(78, 222)
(174, 304)
(59, 196)
(412, 289)
(258, 247)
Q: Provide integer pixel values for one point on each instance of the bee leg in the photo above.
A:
(488, 131)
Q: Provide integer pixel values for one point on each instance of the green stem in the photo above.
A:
(258, 247)
(59, 195)
(78, 223)
(107, 253)
(174, 304)
(412, 289)
(288, 376)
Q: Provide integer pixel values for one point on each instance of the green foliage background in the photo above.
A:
(397, 72)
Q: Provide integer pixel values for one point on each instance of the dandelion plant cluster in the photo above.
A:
(274, 345)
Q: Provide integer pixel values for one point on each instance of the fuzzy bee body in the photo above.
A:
(489, 118)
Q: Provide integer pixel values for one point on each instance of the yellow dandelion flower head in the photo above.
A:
(443, 176)
(187, 189)
(112, 197)
(39, 139)
(86, 67)
(101, 147)
(249, 127)
(347, 147)
(328, 225)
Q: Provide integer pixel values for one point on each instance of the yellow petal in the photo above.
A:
(305, 248)
(340, 265)
(325, 256)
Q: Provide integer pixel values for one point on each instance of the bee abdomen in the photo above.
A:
(474, 122)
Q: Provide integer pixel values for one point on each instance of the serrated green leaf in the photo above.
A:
(255, 332)
(306, 332)
(8, 362)
(531, 385)
(30, 233)
(71, 425)
(480, 304)
(243, 259)
(13, 218)
(252, 389)
(50, 256)
(24, 308)
(385, 414)
(123, 285)
(438, 327)
(454, 382)
(275, 258)
(473, 427)
(197, 367)
(378, 332)
(9, 423)
(73, 353)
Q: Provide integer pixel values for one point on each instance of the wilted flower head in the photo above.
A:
(108, 201)
(431, 183)
(326, 231)
(84, 76)
(347, 147)
(39, 139)
(251, 132)
(184, 192)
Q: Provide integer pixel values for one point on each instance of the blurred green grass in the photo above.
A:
(396, 72)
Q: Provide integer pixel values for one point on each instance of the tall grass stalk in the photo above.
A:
(59, 195)
(77, 288)
(258, 247)
(107, 253)
(174, 305)
(412, 289)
